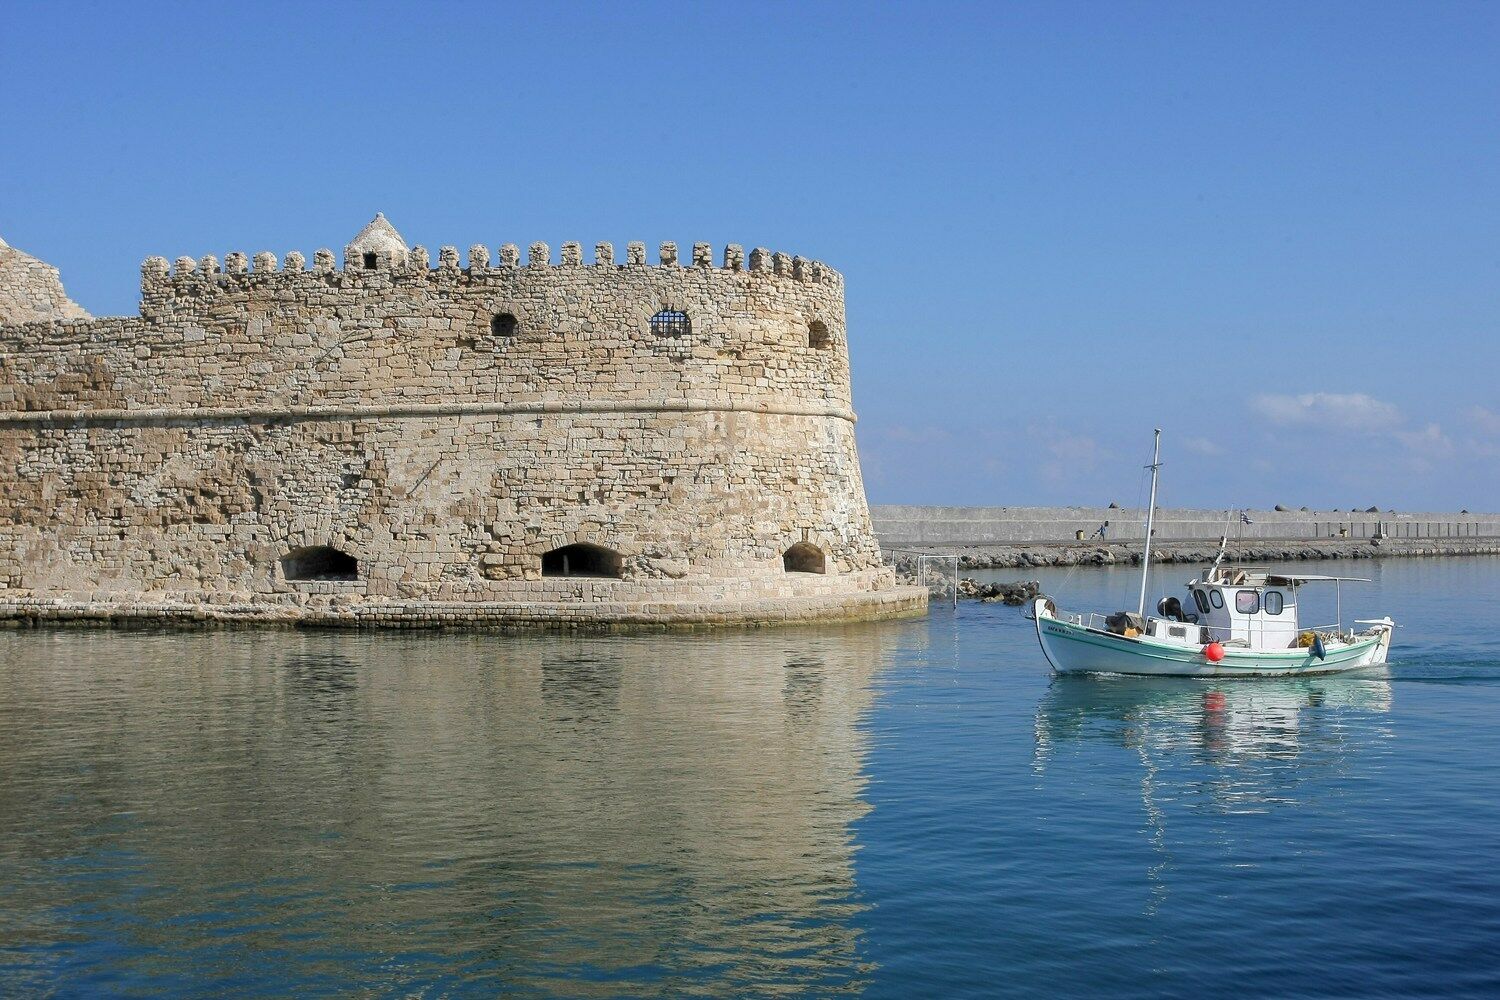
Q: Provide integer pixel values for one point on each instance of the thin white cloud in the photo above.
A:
(1201, 446)
(1073, 455)
(915, 434)
(1486, 422)
(1350, 411)
(1428, 443)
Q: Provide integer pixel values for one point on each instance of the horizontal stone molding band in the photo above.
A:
(124, 610)
(206, 414)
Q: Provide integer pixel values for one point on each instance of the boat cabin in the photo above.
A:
(1241, 605)
(1237, 606)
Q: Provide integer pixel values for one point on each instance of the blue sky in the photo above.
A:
(1270, 229)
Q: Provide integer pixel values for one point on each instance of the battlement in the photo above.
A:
(379, 267)
(496, 323)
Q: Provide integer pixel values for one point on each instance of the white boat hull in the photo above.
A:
(1075, 648)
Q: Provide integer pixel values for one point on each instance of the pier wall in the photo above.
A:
(898, 526)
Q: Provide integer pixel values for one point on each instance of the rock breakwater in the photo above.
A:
(1032, 554)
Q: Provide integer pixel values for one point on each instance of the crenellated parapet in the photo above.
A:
(158, 276)
(525, 308)
(378, 257)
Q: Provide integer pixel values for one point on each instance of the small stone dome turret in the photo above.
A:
(378, 245)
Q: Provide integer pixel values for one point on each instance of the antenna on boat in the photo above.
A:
(1150, 518)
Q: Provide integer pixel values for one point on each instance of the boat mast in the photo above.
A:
(1223, 542)
(1150, 518)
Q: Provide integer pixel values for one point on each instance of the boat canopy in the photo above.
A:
(1296, 580)
(1255, 576)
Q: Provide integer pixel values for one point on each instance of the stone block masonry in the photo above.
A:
(31, 290)
(511, 442)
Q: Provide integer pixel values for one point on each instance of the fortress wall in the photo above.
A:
(439, 507)
(247, 412)
(280, 339)
(898, 525)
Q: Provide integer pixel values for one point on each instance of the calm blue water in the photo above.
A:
(891, 810)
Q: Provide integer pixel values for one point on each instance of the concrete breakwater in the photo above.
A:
(947, 528)
(1018, 537)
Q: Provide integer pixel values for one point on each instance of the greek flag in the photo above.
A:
(1245, 518)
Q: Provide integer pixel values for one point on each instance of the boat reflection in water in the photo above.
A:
(1250, 726)
(1226, 748)
(644, 815)
(1245, 744)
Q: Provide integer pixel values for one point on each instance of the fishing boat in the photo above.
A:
(1237, 621)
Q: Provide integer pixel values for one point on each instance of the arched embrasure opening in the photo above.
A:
(804, 557)
(319, 562)
(504, 325)
(583, 560)
(818, 336)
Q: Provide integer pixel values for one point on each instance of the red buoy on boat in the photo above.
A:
(1213, 652)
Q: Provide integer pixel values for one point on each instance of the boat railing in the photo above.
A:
(1332, 627)
(1100, 623)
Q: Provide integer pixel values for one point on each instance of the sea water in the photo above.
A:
(895, 810)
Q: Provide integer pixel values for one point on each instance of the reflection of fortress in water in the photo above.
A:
(652, 815)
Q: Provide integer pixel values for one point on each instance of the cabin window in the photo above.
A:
(671, 323)
(1201, 600)
(583, 560)
(804, 557)
(371, 262)
(1247, 602)
(504, 325)
(818, 336)
(1217, 598)
(319, 562)
(1273, 602)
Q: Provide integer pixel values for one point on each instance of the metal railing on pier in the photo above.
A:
(935, 571)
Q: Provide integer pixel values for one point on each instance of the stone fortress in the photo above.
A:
(491, 441)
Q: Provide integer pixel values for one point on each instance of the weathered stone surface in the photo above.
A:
(31, 291)
(446, 428)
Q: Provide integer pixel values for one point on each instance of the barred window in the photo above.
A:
(671, 323)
